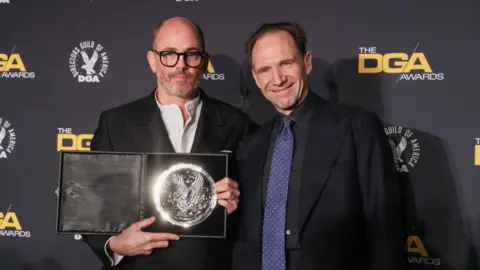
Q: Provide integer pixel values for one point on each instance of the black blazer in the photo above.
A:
(349, 203)
(138, 127)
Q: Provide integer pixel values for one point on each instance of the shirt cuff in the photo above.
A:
(116, 258)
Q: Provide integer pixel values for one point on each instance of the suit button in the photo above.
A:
(288, 231)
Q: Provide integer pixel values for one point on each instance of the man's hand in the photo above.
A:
(227, 194)
(133, 241)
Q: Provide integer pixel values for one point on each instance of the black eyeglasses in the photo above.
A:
(192, 59)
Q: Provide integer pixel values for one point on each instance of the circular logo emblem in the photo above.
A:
(405, 147)
(8, 138)
(88, 62)
(184, 195)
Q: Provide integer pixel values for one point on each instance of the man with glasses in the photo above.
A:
(176, 117)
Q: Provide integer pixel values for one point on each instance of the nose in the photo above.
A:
(181, 62)
(278, 79)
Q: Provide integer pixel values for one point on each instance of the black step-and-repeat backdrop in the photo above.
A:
(414, 63)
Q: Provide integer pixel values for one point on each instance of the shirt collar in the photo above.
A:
(301, 114)
(190, 106)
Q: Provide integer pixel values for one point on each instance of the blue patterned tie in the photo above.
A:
(273, 249)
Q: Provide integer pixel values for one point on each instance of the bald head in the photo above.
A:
(178, 58)
(176, 25)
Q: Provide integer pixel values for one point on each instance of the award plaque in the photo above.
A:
(184, 195)
(179, 191)
(105, 192)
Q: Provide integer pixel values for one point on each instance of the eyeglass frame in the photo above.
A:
(203, 54)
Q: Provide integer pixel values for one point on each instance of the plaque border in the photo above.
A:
(143, 155)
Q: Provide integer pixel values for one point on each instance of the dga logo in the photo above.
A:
(67, 141)
(12, 66)
(10, 225)
(212, 75)
(8, 138)
(88, 62)
(4, 1)
(417, 253)
(405, 147)
(410, 67)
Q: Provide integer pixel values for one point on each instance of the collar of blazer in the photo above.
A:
(149, 108)
(212, 130)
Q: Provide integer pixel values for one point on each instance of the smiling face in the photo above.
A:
(280, 70)
(177, 35)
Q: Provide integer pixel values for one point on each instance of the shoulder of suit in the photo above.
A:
(360, 118)
(258, 130)
(130, 108)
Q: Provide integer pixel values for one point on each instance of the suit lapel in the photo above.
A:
(325, 138)
(148, 130)
(212, 129)
(158, 131)
(150, 134)
(252, 180)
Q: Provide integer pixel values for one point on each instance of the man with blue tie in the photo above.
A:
(319, 185)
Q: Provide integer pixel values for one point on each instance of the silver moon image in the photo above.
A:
(184, 195)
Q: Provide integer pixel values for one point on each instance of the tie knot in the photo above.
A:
(287, 123)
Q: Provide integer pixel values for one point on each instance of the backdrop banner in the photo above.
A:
(414, 63)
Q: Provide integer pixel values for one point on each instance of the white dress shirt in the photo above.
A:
(181, 136)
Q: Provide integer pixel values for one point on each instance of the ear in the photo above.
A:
(152, 61)
(307, 59)
(255, 77)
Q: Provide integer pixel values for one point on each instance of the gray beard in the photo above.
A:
(190, 93)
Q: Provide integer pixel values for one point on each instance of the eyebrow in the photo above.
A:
(263, 68)
(266, 68)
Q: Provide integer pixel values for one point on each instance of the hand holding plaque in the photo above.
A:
(227, 194)
(133, 241)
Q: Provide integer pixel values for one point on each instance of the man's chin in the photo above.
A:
(186, 93)
(287, 106)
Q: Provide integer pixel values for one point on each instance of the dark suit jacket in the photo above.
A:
(349, 212)
(138, 127)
